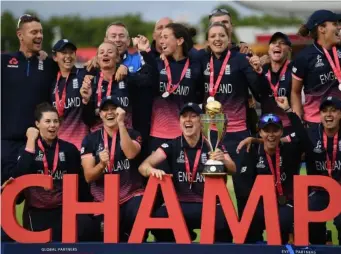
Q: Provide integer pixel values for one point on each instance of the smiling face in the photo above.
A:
(107, 55)
(271, 135)
(190, 124)
(108, 115)
(217, 39)
(65, 59)
(169, 43)
(331, 32)
(278, 50)
(330, 117)
(31, 36)
(119, 36)
(48, 125)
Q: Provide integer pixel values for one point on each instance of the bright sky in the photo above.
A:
(189, 11)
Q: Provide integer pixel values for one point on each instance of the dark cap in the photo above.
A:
(191, 107)
(267, 119)
(109, 100)
(330, 101)
(61, 44)
(279, 35)
(321, 16)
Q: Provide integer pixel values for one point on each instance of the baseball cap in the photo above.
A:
(267, 119)
(279, 35)
(61, 44)
(191, 107)
(330, 101)
(109, 100)
(321, 16)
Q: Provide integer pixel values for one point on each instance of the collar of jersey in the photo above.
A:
(184, 143)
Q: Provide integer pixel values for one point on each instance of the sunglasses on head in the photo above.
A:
(270, 118)
(218, 11)
(23, 17)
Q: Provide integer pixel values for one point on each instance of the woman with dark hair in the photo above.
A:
(65, 95)
(179, 79)
(316, 68)
(228, 75)
(46, 154)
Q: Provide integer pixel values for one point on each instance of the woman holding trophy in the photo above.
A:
(227, 77)
(189, 156)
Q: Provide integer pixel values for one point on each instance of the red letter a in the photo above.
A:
(175, 221)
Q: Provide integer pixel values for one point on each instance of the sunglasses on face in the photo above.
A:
(218, 11)
(270, 118)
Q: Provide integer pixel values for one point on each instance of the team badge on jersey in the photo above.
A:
(164, 145)
(228, 70)
(13, 63)
(75, 84)
(318, 149)
(181, 158)
(294, 69)
(203, 158)
(121, 85)
(62, 156)
(163, 72)
(207, 71)
(319, 62)
(260, 163)
(41, 65)
(188, 73)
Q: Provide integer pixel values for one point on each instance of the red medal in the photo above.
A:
(276, 172)
(273, 87)
(195, 165)
(214, 86)
(55, 159)
(170, 87)
(330, 163)
(60, 104)
(335, 67)
(99, 89)
(113, 148)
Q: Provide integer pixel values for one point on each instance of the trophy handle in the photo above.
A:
(221, 125)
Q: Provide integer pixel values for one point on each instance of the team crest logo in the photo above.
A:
(260, 163)
(318, 149)
(121, 85)
(283, 78)
(203, 158)
(181, 158)
(188, 73)
(163, 72)
(228, 70)
(40, 156)
(319, 62)
(61, 156)
(13, 63)
(207, 71)
(75, 84)
(41, 65)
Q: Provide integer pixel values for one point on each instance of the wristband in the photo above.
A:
(288, 110)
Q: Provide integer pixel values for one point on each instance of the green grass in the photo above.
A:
(330, 225)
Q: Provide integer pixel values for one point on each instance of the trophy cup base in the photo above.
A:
(214, 168)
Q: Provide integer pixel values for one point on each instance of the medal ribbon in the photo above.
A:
(55, 158)
(170, 87)
(60, 104)
(335, 67)
(273, 87)
(277, 173)
(214, 87)
(113, 148)
(99, 89)
(330, 163)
